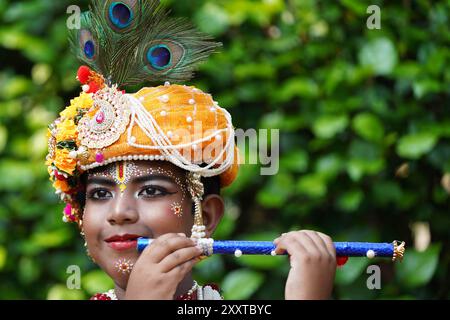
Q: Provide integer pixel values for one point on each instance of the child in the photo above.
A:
(151, 164)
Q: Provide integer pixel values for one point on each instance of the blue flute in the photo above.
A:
(343, 249)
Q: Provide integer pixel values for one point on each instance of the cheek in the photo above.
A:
(167, 217)
(93, 220)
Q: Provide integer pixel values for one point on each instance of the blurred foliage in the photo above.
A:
(364, 139)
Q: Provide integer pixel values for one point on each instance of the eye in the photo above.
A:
(100, 194)
(152, 192)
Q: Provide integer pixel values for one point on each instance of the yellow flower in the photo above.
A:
(84, 101)
(69, 113)
(61, 185)
(66, 130)
(63, 162)
(48, 162)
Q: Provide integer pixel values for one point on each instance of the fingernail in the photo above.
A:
(182, 234)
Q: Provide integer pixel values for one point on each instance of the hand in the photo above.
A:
(161, 267)
(313, 264)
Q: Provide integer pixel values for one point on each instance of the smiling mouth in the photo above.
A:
(123, 242)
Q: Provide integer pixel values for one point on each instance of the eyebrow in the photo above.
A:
(111, 183)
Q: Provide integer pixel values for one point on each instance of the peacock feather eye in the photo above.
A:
(88, 44)
(120, 15)
(159, 56)
(89, 49)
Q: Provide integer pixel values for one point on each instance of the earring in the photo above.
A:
(88, 253)
(196, 189)
(85, 243)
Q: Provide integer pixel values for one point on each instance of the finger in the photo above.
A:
(165, 246)
(329, 244)
(295, 249)
(276, 240)
(281, 241)
(183, 269)
(290, 244)
(165, 237)
(319, 244)
(179, 257)
(307, 241)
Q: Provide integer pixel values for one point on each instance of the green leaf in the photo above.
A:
(296, 161)
(70, 145)
(50, 239)
(29, 270)
(276, 191)
(380, 55)
(357, 168)
(227, 224)
(3, 138)
(16, 175)
(356, 6)
(313, 185)
(15, 87)
(327, 126)
(350, 201)
(329, 166)
(417, 268)
(96, 281)
(364, 158)
(210, 269)
(351, 270)
(368, 126)
(60, 292)
(415, 145)
(241, 284)
(426, 86)
(298, 87)
(3, 255)
(212, 19)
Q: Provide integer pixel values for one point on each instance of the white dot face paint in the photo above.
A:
(124, 172)
(124, 266)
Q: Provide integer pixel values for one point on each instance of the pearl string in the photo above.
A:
(112, 294)
(153, 131)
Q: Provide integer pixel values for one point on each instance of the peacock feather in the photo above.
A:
(134, 41)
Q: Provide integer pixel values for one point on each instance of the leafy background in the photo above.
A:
(364, 123)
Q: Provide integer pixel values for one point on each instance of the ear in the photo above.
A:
(213, 209)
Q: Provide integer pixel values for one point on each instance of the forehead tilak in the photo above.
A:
(125, 171)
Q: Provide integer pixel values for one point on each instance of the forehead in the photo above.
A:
(138, 168)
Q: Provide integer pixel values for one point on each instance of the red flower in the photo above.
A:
(341, 261)
(100, 296)
(83, 74)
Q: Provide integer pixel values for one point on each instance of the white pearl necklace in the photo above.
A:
(112, 293)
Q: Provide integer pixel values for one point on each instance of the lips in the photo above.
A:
(123, 242)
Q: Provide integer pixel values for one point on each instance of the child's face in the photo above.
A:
(137, 198)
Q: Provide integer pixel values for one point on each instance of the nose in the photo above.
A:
(124, 211)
